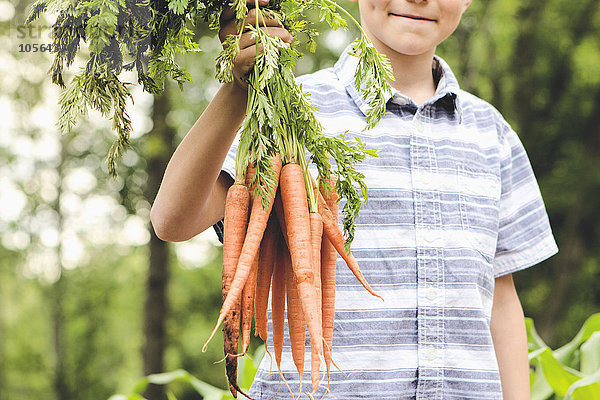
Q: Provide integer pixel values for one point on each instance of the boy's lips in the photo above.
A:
(413, 17)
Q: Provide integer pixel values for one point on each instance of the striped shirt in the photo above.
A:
(453, 204)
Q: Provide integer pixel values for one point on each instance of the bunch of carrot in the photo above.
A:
(290, 246)
(281, 229)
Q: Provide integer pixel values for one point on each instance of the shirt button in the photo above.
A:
(429, 236)
(431, 294)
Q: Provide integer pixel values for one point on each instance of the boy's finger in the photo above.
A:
(226, 30)
(252, 3)
(229, 13)
(245, 60)
(248, 39)
(263, 19)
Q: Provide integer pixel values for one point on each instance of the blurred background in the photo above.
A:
(91, 300)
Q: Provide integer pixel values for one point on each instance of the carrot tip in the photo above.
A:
(286, 384)
(212, 334)
(339, 369)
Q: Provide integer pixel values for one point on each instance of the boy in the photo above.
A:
(453, 210)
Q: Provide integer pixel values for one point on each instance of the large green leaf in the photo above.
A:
(587, 388)
(534, 341)
(567, 353)
(590, 355)
(168, 377)
(135, 396)
(249, 368)
(559, 377)
(540, 389)
(207, 391)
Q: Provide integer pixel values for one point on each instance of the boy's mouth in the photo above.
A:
(413, 17)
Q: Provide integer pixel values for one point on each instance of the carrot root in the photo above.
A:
(295, 207)
(235, 225)
(256, 228)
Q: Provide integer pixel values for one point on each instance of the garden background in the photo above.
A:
(91, 300)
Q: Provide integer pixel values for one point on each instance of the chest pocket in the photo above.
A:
(479, 195)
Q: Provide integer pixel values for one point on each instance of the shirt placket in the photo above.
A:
(429, 252)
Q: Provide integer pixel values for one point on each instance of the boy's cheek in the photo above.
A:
(372, 3)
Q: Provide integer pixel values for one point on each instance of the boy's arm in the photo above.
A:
(510, 340)
(191, 196)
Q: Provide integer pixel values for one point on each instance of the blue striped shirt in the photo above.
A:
(453, 204)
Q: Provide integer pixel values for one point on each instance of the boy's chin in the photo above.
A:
(407, 46)
(411, 50)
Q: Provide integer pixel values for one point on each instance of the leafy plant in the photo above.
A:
(571, 372)
(247, 368)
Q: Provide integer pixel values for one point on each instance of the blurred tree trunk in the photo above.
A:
(160, 146)
(524, 58)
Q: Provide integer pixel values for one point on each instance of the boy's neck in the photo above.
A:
(413, 74)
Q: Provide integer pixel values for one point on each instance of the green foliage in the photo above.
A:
(345, 154)
(279, 116)
(120, 30)
(100, 92)
(101, 326)
(247, 368)
(120, 34)
(569, 372)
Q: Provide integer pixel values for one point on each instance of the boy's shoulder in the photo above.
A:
(475, 104)
(481, 113)
(473, 109)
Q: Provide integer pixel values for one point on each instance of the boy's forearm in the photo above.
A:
(510, 340)
(180, 208)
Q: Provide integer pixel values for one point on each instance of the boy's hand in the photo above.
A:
(247, 56)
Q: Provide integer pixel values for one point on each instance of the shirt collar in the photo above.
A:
(446, 93)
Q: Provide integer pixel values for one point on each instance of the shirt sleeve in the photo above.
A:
(229, 163)
(524, 234)
(229, 168)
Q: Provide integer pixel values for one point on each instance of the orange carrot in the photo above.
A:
(250, 285)
(334, 234)
(266, 258)
(248, 305)
(328, 271)
(296, 321)
(278, 302)
(278, 207)
(256, 228)
(295, 207)
(316, 232)
(234, 232)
